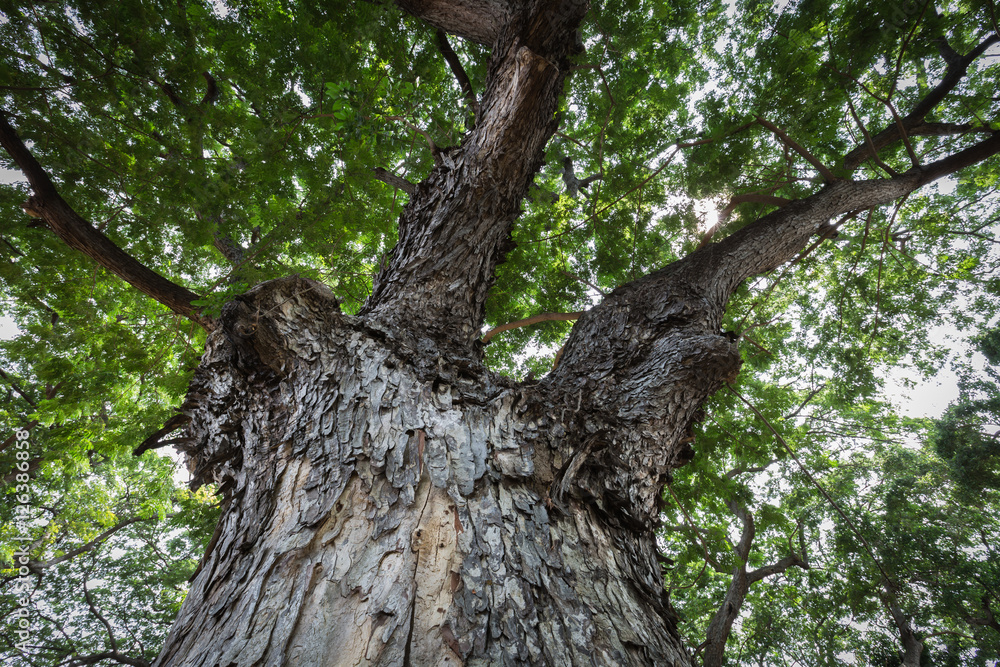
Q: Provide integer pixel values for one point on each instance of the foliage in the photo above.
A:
(173, 126)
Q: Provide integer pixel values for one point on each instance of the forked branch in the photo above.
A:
(957, 69)
(791, 143)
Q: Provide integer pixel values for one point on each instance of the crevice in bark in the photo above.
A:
(342, 443)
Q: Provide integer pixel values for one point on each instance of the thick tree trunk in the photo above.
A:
(377, 516)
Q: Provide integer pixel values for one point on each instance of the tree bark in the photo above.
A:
(387, 500)
(456, 227)
(375, 516)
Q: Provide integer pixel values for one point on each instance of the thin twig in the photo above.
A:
(812, 479)
(423, 133)
(868, 140)
(812, 159)
(584, 281)
(697, 534)
(534, 319)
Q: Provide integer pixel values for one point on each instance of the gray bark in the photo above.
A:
(376, 516)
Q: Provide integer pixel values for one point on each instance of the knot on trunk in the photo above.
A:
(272, 324)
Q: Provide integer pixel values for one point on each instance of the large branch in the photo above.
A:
(638, 367)
(79, 234)
(456, 227)
(476, 20)
(913, 123)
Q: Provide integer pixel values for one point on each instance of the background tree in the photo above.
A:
(390, 496)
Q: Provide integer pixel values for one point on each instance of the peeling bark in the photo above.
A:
(456, 227)
(376, 516)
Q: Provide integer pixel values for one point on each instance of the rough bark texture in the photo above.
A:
(456, 228)
(377, 516)
(388, 503)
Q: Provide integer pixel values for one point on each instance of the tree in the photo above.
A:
(386, 497)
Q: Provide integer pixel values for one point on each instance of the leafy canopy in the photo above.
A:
(183, 128)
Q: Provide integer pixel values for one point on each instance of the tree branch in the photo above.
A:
(534, 319)
(810, 396)
(99, 615)
(230, 249)
(658, 343)
(456, 229)
(16, 387)
(912, 647)
(479, 21)
(747, 199)
(722, 621)
(435, 151)
(956, 71)
(776, 568)
(108, 655)
(80, 235)
(38, 566)
(791, 143)
(154, 441)
(459, 71)
(742, 470)
(395, 181)
(584, 281)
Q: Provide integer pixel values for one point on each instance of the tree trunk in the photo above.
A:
(378, 516)
(913, 648)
